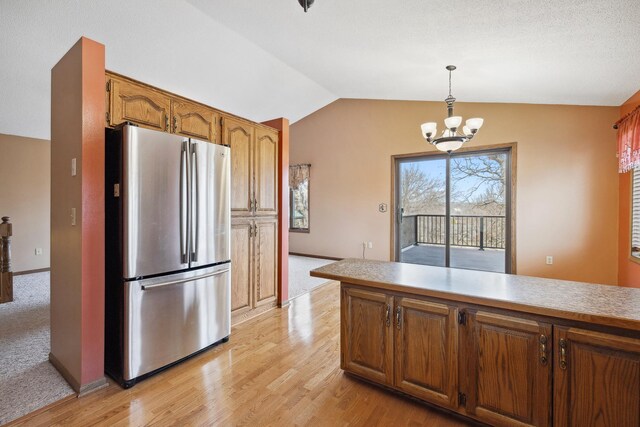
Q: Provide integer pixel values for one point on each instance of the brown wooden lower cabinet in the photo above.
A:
(254, 252)
(415, 339)
(498, 367)
(367, 346)
(426, 350)
(596, 379)
(508, 373)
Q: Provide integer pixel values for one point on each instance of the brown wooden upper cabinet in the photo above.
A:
(131, 102)
(193, 120)
(254, 163)
(266, 172)
(596, 379)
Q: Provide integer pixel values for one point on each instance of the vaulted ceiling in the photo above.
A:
(266, 59)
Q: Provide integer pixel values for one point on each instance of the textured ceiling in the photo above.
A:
(167, 43)
(531, 51)
(266, 59)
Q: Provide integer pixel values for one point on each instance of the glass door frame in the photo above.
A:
(510, 173)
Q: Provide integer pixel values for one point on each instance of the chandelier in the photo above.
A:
(451, 139)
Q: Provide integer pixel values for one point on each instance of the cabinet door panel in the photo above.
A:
(600, 383)
(426, 358)
(241, 256)
(193, 120)
(366, 334)
(266, 243)
(130, 102)
(266, 172)
(509, 383)
(239, 136)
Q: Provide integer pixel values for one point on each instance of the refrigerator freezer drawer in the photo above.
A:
(168, 318)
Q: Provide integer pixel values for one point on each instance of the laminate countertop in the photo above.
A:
(605, 305)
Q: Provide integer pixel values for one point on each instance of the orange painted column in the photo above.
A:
(283, 207)
(77, 215)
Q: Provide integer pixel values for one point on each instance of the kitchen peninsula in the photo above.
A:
(502, 349)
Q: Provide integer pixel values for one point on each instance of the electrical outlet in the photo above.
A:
(549, 260)
(73, 216)
(38, 251)
(370, 245)
(73, 167)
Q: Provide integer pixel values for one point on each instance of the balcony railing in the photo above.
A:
(481, 231)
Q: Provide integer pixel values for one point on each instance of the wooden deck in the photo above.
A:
(281, 368)
(461, 257)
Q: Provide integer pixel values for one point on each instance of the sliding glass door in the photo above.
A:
(454, 210)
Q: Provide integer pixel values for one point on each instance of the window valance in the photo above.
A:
(629, 141)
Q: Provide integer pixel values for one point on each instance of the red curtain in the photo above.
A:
(629, 141)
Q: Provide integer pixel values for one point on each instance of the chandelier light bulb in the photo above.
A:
(475, 124)
(467, 131)
(453, 122)
(429, 129)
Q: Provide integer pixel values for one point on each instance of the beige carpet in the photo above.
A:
(299, 280)
(27, 380)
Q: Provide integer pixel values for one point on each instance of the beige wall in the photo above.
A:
(24, 196)
(567, 183)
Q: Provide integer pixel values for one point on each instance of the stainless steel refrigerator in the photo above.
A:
(167, 229)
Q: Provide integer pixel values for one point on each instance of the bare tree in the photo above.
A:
(421, 194)
(485, 178)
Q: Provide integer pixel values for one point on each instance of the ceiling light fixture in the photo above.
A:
(306, 4)
(451, 139)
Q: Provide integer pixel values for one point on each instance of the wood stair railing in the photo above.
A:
(6, 275)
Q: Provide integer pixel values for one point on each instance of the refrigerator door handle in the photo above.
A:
(195, 195)
(177, 282)
(183, 203)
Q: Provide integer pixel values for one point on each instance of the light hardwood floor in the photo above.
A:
(280, 369)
